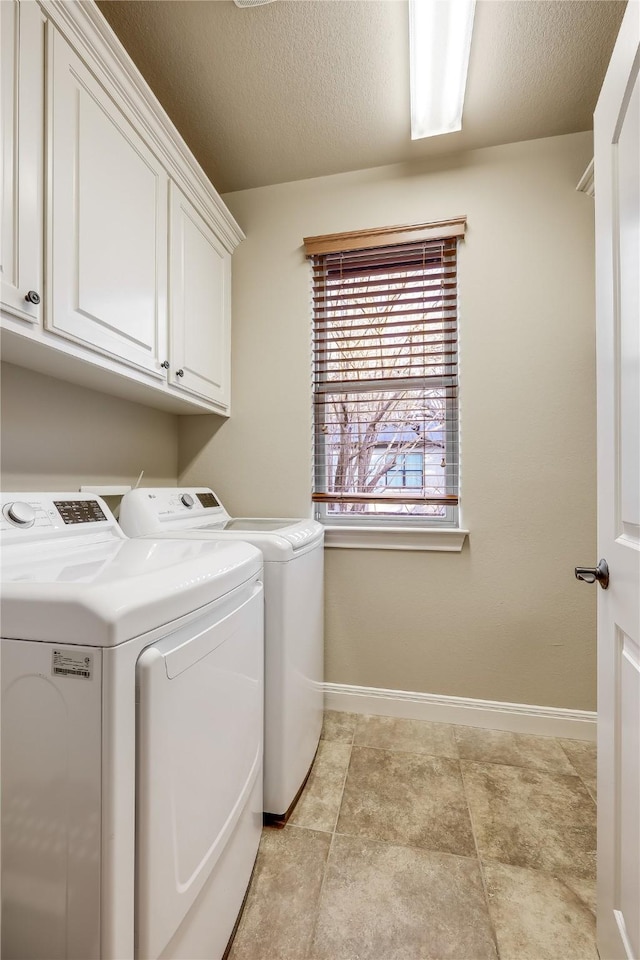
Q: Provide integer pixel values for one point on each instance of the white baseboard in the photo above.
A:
(491, 714)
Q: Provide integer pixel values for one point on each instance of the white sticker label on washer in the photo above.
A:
(72, 663)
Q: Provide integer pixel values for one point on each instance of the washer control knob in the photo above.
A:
(22, 514)
(187, 500)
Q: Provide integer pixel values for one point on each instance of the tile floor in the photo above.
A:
(425, 841)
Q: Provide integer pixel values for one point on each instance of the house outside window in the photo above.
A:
(385, 386)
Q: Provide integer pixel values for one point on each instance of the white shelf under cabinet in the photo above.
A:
(106, 376)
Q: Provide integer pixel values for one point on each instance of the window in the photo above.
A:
(386, 376)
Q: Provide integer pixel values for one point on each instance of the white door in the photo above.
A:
(23, 28)
(617, 192)
(107, 222)
(200, 305)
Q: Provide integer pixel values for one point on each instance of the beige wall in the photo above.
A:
(504, 620)
(56, 436)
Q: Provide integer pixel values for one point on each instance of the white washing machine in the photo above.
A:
(132, 718)
(293, 552)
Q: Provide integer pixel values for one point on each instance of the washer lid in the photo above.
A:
(103, 593)
(197, 511)
(278, 538)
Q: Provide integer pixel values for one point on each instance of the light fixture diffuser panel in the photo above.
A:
(251, 3)
(440, 42)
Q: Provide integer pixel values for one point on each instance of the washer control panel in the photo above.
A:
(145, 510)
(207, 500)
(167, 503)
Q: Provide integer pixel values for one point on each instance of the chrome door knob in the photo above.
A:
(32, 297)
(591, 574)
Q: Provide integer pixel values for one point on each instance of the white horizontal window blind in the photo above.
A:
(385, 361)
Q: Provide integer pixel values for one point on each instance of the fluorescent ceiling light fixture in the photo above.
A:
(440, 41)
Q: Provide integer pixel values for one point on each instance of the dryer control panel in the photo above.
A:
(79, 511)
(28, 517)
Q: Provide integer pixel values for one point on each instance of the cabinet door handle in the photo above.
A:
(180, 372)
(32, 297)
(165, 364)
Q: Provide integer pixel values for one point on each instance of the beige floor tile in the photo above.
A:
(384, 902)
(584, 757)
(338, 726)
(517, 749)
(319, 802)
(410, 736)
(280, 913)
(532, 819)
(537, 917)
(406, 798)
(583, 888)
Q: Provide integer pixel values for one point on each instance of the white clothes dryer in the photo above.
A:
(132, 719)
(293, 553)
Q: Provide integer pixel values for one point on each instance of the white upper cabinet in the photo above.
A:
(200, 308)
(107, 222)
(106, 214)
(23, 32)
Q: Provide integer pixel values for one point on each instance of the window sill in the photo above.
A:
(395, 538)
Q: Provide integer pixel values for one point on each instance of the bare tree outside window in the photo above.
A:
(385, 381)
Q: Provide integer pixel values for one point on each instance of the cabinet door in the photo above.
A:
(107, 222)
(200, 305)
(23, 29)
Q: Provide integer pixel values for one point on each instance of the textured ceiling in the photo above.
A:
(304, 88)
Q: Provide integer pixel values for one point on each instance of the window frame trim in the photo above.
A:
(364, 537)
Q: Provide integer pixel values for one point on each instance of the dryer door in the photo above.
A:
(199, 754)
